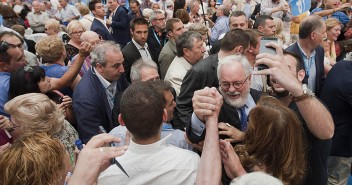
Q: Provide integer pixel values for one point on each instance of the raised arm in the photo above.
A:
(68, 78)
(318, 119)
(209, 171)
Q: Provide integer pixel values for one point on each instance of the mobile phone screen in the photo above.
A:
(264, 41)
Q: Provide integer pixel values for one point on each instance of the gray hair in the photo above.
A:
(256, 178)
(138, 66)
(233, 59)
(88, 34)
(186, 41)
(98, 55)
(154, 13)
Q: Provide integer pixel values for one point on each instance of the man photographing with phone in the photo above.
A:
(286, 72)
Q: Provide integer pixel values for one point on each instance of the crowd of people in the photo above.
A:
(175, 91)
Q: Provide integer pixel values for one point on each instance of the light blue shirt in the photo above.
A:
(309, 66)
(198, 126)
(4, 91)
(342, 17)
(221, 26)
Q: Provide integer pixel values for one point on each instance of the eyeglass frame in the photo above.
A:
(234, 84)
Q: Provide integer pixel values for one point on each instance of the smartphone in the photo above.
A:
(264, 49)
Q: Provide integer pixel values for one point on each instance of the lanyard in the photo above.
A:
(157, 38)
(309, 65)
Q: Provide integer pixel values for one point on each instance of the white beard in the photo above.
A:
(238, 103)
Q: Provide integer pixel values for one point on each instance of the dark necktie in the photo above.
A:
(244, 117)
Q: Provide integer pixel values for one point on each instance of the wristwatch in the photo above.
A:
(307, 93)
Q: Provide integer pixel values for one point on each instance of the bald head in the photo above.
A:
(36, 6)
(90, 37)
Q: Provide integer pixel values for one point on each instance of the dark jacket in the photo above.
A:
(121, 26)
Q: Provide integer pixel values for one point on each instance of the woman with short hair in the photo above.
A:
(35, 113)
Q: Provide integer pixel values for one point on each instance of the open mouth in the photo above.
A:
(234, 96)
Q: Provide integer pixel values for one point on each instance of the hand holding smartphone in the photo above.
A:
(264, 49)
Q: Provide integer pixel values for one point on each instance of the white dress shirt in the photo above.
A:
(156, 163)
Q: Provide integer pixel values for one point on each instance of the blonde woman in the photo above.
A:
(333, 30)
(74, 29)
(35, 113)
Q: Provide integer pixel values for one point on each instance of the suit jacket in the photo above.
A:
(228, 114)
(153, 44)
(91, 105)
(202, 74)
(336, 94)
(167, 55)
(101, 30)
(130, 55)
(319, 64)
(120, 26)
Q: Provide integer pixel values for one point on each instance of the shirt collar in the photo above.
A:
(139, 46)
(151, 148)
(103, 81)
(302, 51)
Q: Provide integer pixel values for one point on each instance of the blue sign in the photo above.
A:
(299, 6)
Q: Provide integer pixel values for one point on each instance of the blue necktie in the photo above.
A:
(243, 118)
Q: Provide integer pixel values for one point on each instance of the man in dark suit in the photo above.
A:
(117, 19)
(99, 91)
(312, 31)
(98, 24)
(157, 35)
(234, 73)
(336, 94)
(203, 74)
(138, 47)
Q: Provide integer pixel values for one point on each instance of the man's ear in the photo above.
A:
(164, 115)
(185, 52)
(301, 74)
(122, 123)
(260, 29)
(238, 49)
(131, 32)
(170, 34)
(4, 66)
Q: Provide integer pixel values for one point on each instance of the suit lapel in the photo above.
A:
(102, 94)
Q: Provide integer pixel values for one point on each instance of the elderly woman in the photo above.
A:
(36, 113)
(52, 27)
(332, 49)
(281, 154)
(35, 159)
(52, 52)
(75, 30)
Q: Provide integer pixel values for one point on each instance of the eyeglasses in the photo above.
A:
(161, 19)
(236, 85)
(76, 33)
(27, 72)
